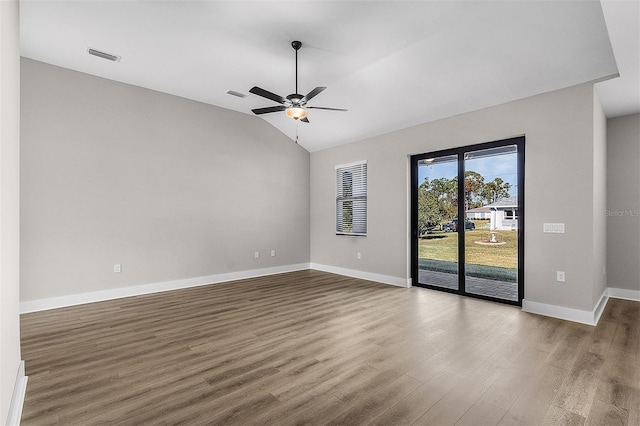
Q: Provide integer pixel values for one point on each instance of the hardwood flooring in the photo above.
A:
(315, 348)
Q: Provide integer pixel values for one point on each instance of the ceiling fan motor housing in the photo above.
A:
(295, 98)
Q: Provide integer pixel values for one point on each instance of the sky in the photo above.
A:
(504, 166)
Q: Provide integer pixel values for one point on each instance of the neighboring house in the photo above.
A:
(503, 214)
(479, 213)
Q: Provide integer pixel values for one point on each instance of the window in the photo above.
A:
(351, 199)
(511, 214)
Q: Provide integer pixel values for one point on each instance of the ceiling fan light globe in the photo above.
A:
(296, 113)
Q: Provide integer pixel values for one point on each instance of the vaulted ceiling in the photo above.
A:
(392, 64)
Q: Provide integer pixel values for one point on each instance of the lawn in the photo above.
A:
(441, 245)
(439, 251)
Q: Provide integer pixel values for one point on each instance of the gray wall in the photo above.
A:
(167, 187)
(559, 173)
(599, 263)
(623, 202)
(9, 198)
(173, 189)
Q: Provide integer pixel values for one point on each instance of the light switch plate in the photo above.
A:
(553, 228)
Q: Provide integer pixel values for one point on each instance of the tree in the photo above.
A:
(428, 211)
(437, 201)
(473, 187)
(445, 191)
(438, 198)
(496, 190)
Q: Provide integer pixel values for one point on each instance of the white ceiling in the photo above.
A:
(621, 96)
(393, 64)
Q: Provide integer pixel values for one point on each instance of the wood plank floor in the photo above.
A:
(316, 348)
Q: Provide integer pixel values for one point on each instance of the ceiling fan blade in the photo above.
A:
(329, 109)
(266, 110)
(305, 120)
(312, 94)
(267, 94)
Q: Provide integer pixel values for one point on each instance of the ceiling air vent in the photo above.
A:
(238, 94)
(103, 55)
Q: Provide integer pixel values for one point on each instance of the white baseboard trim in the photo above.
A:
(99, 296)
(384, 279)
(17, 399)
(570, 314)
(623, 293)
(561, 312)
(576, 315)
(602, 303)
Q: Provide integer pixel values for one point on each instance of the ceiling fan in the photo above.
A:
(294, 105)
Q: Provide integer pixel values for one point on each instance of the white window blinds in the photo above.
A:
(351, 199)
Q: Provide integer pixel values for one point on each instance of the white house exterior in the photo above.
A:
(503, 214)
(479, 213)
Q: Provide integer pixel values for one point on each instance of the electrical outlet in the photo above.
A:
(273, 253)
(257, 254)
(359, 255)
(560, 276)
(117, 268)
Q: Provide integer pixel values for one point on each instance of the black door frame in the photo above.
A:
(460, 151)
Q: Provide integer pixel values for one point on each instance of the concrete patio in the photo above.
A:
(480, 286)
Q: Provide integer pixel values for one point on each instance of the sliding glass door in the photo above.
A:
(437, 206)
(467, 220)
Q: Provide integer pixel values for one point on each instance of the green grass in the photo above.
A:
(439, 251)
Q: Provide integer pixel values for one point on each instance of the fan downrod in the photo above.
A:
(296, 44)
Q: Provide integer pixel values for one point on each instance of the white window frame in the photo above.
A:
(351, 192)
